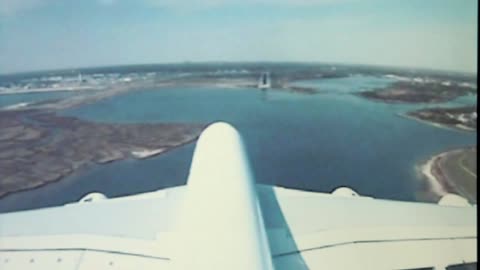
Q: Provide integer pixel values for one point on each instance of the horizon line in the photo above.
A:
(187, 62)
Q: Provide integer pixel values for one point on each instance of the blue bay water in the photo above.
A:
(351, 84)
(312, 142)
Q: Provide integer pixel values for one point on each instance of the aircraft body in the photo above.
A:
(222, 219)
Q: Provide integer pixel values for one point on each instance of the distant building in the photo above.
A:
(264, 82)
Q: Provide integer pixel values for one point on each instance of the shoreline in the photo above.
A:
(147, 153)
(437, 125)
(97, 94)
(87, 166)
(27, 163)
(48, 90)
(438, 183)
(435, 187)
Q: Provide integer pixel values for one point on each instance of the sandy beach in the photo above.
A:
(459, 128)
(427, 171)
(146, 153)
(439, 178)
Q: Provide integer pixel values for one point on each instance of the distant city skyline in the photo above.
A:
(54, 34)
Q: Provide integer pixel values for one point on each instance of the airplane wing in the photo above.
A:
(222, 220)
(343, 230)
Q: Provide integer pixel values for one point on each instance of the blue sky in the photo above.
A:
(48, 34)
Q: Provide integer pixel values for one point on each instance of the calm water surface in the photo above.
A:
(312, 142)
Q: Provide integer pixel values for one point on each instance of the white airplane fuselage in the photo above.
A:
(221, 216)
